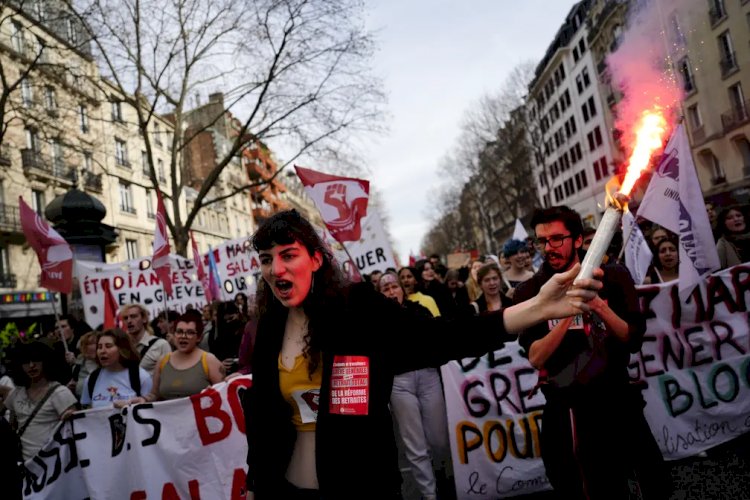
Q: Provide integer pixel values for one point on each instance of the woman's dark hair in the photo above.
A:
(417, 275)
(244, 308)
(721, 221)
(128, 354)
(325, 295)
(192, 316)
(53, 364)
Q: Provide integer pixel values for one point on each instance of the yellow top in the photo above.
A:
(426, 301)
(302, 393)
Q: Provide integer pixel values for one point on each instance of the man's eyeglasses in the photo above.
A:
(555, 241)
(185, 333)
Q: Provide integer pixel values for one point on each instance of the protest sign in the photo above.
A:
(184, 448)
(372, 252)
(494, 426)
(238, 267)
(695, 359)
(136, 281)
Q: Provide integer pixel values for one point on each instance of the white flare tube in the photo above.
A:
(599, 245)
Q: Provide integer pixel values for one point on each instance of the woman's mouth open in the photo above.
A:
(283, 289)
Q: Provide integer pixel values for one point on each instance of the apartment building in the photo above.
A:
(572, 149)
(714, 69)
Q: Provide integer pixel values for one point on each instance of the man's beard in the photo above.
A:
(566, 266)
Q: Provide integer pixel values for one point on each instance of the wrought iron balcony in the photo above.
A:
(736, 116)
(7, 280)
(10, 220)
(92, 181)
(35, 162)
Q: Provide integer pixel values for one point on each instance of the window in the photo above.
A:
(7, 279)
(117, 112)
(600, 169)
(121, 153)
(592, 107)
(88, 162)
(40, 9)
(585, 112)
(575, 54)
(37, 201)
(126, 198)
(144, 164)
(687, 76)
(83, 117)
(737, 99)
(598, 136)
(582, 46)
(157, 134)
(32, 140)
(694, 115)
(149, 205)
(726, 49)
(716, 10)
(50, 98)
(579, 84)
(27, 93)
(131, 248)
(160, 170)
(57, 155)
(17, 39)
(585, 76)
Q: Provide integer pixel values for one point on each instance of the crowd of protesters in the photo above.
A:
(175, 355)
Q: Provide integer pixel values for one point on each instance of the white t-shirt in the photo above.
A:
(114, 386)
(40, 429)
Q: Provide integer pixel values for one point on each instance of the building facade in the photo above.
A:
(573, 151)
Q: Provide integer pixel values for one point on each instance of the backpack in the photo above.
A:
(133, 375)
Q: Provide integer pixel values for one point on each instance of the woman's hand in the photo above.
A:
(560, 297)
(127, 402)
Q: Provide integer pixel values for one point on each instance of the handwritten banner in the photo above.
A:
(494, 425)
(695, 359)
(238, 266)
(185, 448)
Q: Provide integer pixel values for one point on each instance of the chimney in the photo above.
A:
(216, 98)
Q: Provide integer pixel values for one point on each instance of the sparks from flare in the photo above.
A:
(648, 138)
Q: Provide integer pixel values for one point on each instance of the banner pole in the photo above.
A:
(57, 320)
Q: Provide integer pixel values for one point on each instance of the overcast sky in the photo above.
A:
(438, 57)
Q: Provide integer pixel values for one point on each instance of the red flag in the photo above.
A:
(342, 201)
(111, 308)
(160, 260)
(54, 253)
(202, 276)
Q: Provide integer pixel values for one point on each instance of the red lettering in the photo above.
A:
(195, 489)
(238, 484)
(717, 293)
(212, 411)
(169, 492)
(234, 401)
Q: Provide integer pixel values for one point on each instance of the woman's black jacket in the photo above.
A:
(356, 455)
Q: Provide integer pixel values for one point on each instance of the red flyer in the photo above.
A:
(350, 385)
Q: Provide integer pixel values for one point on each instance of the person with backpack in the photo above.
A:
(186, 371)
(150, 348)
(119, 377)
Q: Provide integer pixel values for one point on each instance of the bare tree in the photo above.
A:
(291, 71)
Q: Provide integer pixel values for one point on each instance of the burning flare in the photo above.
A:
(649, 136)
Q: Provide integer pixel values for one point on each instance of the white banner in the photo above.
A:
(494, 426)
(136, 281)
(695, 359)
(238, 266)
(638, 254)
(372, 251)
(185, 448)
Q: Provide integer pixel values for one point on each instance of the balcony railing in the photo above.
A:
(9, 218)
(736, 116)
(728, 63)
(92, 181)
(34, 161)
(7, 280)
